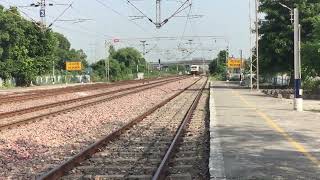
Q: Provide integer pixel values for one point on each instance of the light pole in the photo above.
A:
(291, 13)
(298, 100)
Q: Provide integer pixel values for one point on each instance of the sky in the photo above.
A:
(222, 22)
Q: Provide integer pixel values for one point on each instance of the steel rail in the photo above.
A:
(55, 104)
(160, 172)
(40, 117)
(35, 94)
(68, 165)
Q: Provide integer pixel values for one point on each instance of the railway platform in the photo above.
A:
(253, 136)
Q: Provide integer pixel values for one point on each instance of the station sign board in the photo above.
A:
(234, 63)
(73, 66)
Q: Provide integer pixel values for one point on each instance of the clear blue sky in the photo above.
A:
(228, 18)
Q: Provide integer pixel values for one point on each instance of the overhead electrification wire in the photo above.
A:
(118, 13)
(135, 7)
(26, 14)
(61, 14)
(180, 9)
(185, 27)
(82, 31)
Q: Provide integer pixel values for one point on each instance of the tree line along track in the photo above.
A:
(6, 123)
(136, 149)
(37, 94)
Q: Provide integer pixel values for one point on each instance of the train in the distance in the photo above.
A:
(196, 69)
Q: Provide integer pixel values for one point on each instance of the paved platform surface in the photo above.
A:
(260, 137)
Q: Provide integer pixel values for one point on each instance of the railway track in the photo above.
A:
(189, 157)
(9, 119)
(37, 94)
(142, 149)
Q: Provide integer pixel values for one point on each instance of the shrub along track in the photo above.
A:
(13, 118)
(141, 148)
(37, 94)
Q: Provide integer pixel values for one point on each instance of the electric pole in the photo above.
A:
(144, 53)
(254, 52)
(107, 61)
(43, 13)
(42, 4)
(250, 45)
(298, 101)
(257, 43)
(53, 72)
(158, 14)
(241, 67)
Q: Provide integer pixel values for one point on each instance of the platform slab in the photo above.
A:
(260, 137)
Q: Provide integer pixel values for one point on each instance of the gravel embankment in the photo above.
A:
(57, 98)
(63, 107)
(32, 148)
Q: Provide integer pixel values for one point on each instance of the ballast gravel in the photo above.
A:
(31, 149)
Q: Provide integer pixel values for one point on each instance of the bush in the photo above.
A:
(311, 84)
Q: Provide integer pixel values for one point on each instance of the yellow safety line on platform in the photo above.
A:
(276, 127)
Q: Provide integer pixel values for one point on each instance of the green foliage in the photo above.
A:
(122, 64)
(129, 57)
(26, 51)
(217, 67)
(311, 85)
(176, 69)
(276, 43)
(64, 53)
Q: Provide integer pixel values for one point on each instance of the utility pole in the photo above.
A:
(42, 4)
(158, 14)
(227, 57)
(254, 56)
(43, 13)
(53, 72)
(241, 67)
(257, 43)
(107, 61)
(144, 53)
(298, 101)
(250, 45)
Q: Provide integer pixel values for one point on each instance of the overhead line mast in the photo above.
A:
(158, 22)
(42, 12)
(254, 65)
(158, 14)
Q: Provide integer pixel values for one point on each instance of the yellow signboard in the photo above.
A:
(234, 63)
(73, 66)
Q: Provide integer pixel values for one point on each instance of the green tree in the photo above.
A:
(218, 65)
(276, 43)
(26, 51)
(130, 57)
